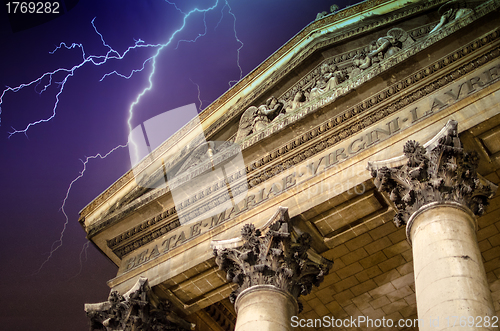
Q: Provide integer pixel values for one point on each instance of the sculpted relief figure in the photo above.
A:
(267, 113)
(321, 15)
(450, 12)
(384, 47)
(330, 77)
(298, 100)
(333, 9)
(360, 62)
(255, 119)
(246, 123)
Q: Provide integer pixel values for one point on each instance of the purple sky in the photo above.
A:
(37, 168)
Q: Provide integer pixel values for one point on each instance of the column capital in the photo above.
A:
(278, 258)
(138, 309)
(440, 171)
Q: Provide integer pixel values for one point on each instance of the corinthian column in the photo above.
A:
(438, 194)
(272, 270)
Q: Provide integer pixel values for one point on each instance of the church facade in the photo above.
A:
(349, 181)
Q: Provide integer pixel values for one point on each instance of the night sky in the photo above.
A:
(38, 167)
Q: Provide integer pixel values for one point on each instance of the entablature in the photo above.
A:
(347, 24)
(325, 140)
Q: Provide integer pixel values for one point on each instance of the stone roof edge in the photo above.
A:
(215, 109)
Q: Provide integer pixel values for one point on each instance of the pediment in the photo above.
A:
(341, 74)
(308, 125)
(333, 61)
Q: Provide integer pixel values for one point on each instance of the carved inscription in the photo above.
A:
(317, 165)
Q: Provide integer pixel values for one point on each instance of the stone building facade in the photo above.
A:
(352, 174)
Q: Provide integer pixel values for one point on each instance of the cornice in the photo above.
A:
(331, 132)
(322, 129)
(266, 65)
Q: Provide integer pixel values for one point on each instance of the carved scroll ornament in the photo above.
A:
(273, 259)
(441, 172)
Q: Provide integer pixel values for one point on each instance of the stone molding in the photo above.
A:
(440, 172)
(436, 204)
(222, 315)
(328, 133)
(265, 287)
(138, 309)
(277, 258)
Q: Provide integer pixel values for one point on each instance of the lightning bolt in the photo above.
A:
(199, 93)
(61, 76)
(67, 73)
(226, 5)
(83, 258)
(58, 243)
(237, 39)
(153, 58)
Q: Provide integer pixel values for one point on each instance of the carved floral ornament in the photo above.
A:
(137, 310)
(439, 172)
(278, 258)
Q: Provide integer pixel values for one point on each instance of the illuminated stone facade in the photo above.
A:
(370, 140)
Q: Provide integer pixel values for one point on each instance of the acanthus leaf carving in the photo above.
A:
(137, 310)
(275, 258)
(438, 173)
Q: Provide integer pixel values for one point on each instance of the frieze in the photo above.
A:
(343, 61)
(328, 75)
(335, 137)
(344, 150)
(330, 19)
(391, 91)
(337, 38)
(292, 65)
